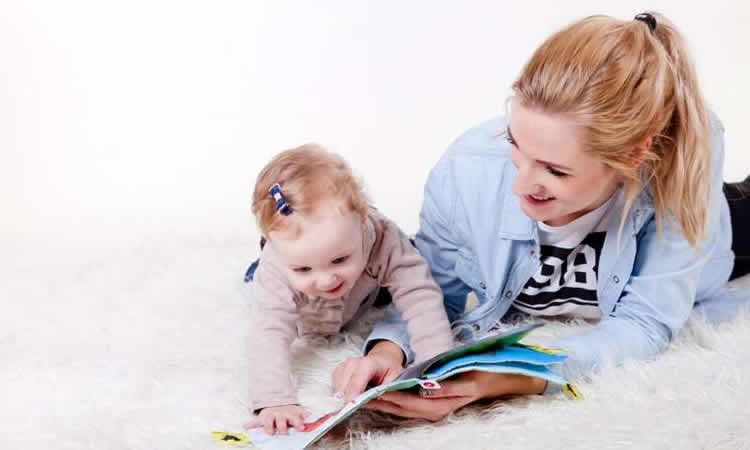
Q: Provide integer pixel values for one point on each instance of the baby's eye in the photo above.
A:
(340, 260)
(301, 269)
(556, 172)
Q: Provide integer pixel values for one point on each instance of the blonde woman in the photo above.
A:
(599, 196)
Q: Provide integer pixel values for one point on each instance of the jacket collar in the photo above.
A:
(514, 224)
(641, 211)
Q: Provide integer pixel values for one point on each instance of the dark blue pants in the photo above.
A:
(738, 196)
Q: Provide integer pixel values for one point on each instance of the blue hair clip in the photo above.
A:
(281, 205)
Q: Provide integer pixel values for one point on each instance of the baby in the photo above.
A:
(327, 254)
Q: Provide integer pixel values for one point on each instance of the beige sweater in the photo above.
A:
(280, 313)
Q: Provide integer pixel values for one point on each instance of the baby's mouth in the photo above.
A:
(335, 289)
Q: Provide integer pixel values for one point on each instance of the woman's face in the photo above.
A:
(557, 181)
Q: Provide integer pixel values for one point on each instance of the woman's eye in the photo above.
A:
(340, 260)
(301, 269)
(556, 172)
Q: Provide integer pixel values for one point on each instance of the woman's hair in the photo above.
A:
(306, 175)
(622, 83)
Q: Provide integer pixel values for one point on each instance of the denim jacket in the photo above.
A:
(476, 238)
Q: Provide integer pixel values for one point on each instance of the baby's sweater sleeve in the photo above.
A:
(415, 294)
(273, 328)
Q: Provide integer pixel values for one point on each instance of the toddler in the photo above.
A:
(327, 254)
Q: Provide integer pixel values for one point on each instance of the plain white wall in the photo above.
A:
(118, 118)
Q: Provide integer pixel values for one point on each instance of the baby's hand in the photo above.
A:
(352, 376)
(277, 417)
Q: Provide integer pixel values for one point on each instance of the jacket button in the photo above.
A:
(508, 294)
(475, 327)
(616, 278)
(532, 253)
(482, 285)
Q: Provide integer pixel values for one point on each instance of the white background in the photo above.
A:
(118, 118)
(131, 133)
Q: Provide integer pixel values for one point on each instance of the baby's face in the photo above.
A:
(324, 258)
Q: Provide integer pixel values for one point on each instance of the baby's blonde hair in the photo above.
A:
(307, 175)
(621, 83)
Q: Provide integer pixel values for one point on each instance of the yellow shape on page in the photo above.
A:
(571, 391)
(228, 438)
(546, 350)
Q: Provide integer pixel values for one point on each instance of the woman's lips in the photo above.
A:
(537, 202)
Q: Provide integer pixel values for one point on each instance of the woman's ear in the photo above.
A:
(640, 149)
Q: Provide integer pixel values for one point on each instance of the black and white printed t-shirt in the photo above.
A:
(565, 284)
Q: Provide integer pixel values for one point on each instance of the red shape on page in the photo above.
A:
(313, 425)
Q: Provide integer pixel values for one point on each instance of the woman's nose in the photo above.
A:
(525, 183)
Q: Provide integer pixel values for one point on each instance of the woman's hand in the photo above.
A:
(455, 393)
(382, 364)
(279, 418)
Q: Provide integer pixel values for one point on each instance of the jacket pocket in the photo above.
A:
(468, 271)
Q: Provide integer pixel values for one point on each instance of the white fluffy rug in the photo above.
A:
(143, 347)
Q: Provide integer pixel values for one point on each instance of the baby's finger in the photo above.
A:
(297, 421)
(281, 424)
(358, 382)
(336, 375)
(341, 375)
(268, 425)
(390, 376)
(255, 423)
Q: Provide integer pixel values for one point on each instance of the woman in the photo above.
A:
(599, 196)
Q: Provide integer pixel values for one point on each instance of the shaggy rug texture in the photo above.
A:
(142, 346)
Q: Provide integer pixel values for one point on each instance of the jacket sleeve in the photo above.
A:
(435, 242)
(436, 239)
(273, 328)
(659, 296)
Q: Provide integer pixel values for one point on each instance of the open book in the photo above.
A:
(501, 353)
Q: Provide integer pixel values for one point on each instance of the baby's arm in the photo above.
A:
(417, 297)
(273, 327)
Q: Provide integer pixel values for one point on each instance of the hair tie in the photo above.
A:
(281, 205)
(648, 19)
